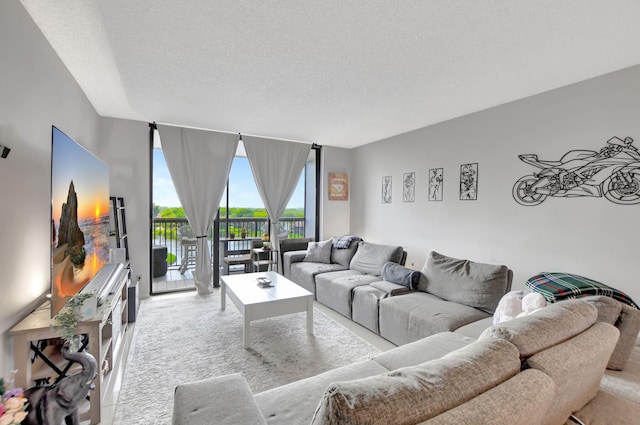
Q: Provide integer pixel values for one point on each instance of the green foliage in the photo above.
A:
(157, 210)
(67, 319)
(234, 212)
(176, 212)
(171, 258)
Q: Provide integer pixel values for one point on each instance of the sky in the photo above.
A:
(72, 162)
(242, 188)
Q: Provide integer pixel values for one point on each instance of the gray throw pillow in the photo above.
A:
(466, 282)
(319, 252)
(400, 275)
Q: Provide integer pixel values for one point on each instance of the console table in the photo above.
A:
(105, 333)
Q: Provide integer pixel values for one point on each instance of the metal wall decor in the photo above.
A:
(436, 184)
(386, 190)
(612, 172)
(409, 187)
(469, 182)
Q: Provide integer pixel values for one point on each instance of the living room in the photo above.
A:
(589, 236)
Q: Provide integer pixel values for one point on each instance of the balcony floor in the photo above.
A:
(173, 281)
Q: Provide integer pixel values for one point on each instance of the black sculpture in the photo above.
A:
(50, 404)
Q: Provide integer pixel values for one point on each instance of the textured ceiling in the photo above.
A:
(335, 72)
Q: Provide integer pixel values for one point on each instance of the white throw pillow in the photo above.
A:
(319, 252)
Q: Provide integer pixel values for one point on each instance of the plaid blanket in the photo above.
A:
(344, 242)
(559, 286)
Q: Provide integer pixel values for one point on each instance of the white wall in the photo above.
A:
(36, 92)
(587, 236)
(334, 215)
(125, 146)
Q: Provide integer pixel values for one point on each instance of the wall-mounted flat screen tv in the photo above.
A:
(79, 217)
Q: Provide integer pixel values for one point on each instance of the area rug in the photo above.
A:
(188, 338)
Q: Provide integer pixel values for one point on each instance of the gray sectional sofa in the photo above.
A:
(450, 293)
(530, 370)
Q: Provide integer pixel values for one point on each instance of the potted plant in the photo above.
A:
(79, 308)
(243, 233)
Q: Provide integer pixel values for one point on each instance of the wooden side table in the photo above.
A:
(265, 257)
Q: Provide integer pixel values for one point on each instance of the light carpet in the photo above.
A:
(189, 338)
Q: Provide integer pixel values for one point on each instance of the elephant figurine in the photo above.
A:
(51, 404)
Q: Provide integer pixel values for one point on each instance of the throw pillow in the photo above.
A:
(319, 252)
(395, 273)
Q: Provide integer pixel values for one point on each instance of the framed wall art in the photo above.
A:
(386, 190)
(409, 187)
(338, 186)
(436, 184)
(469, 182)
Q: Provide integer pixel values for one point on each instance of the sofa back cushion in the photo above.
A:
(414, 394)
(340, 255)
(466, 282)
(545, 328)
(576, 367)
(369, 257)
(523, 399)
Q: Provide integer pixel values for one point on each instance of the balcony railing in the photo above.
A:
(165, 233)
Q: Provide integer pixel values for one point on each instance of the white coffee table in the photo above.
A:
(254, 302)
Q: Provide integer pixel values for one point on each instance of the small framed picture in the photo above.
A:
(436, 184)
(386, 190)
(338, 186)
(409, 187)
(469, 182)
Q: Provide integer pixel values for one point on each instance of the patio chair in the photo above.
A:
(188, 242)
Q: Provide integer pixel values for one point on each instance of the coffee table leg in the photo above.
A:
(223, 295)
(246, 330)
(310, 316)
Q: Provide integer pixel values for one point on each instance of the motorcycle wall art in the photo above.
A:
(612, 172)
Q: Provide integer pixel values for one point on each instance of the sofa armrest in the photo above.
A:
(220, 400)
(391, 289)
(289, 258)
(629, 326)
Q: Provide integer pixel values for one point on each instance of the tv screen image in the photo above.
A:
(79, 217)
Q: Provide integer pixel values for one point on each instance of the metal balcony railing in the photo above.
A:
(165, 233)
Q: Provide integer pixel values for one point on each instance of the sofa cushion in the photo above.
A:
(608, 308)
(546, 327)
(576, 367)
(295, 403)
(626, 319)
(409, 317)
(196, 403)
(423, 350)
(401, 275)
(319, 252)
(337, 293)
(304, 273)
(475, 329)
(369, 257)
(629, 325)
(522, 399)
(466, 282)
(414, 394)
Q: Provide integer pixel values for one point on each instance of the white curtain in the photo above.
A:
(199, 162)
(276, 166)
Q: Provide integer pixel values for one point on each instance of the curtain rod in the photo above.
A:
(155, 127)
